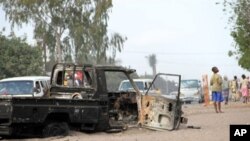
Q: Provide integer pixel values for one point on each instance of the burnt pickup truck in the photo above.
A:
(86, 98)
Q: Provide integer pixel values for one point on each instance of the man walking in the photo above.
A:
(234, 89)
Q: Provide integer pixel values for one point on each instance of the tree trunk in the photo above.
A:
(58, 48)
(44, 56)
(154, 70)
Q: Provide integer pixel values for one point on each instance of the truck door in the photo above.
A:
(161, 107)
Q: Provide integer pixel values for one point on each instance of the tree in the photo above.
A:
(72, 30)
(17, 58)
(240, 31)
(152, 62)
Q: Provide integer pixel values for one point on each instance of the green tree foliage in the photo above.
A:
(17, 58)
(240, 21)
(72, 30)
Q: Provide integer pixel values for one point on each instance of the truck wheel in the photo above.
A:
(76, 96)
(56, 129)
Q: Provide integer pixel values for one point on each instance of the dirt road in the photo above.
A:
(214, 127)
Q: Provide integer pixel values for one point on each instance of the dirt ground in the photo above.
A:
(214, 127)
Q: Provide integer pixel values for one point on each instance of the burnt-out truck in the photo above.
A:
(86, 98)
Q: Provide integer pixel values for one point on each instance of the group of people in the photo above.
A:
(222, 88)
(240, 90)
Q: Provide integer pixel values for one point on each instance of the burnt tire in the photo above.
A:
(77, 96)
(56, 129)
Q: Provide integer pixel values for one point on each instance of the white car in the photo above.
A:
(142, 84)
(25, 86)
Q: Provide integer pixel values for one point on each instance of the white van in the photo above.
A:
(191, 91)
(24, 86)
(142, 84)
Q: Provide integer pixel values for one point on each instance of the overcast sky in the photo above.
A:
(187, 36)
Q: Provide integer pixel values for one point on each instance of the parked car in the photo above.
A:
(25, 86)
(191, 91)
(142, 84)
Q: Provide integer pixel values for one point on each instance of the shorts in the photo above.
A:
(217, 97)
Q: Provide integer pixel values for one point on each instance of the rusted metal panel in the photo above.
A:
(158, 113)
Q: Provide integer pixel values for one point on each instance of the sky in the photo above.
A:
(188, 37)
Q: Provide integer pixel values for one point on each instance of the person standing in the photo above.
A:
(248, 86)
(225, 89)
(244, 88)
(234, 89)
(216, 84)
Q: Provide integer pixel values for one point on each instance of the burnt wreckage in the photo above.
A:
(86, 97)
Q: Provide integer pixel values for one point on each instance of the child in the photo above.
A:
(216, 83)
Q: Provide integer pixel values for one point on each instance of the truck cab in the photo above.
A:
(104, 83)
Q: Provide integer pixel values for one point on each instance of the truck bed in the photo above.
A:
(37, 112)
